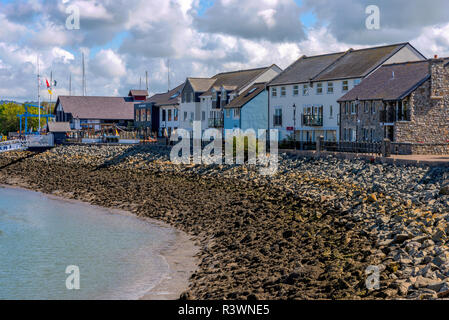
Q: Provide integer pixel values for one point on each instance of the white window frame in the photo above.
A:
(319, 88)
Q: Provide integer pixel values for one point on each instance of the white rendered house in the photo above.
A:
(302, 100)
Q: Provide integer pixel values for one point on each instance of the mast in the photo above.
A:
(84, 77)
(70, 84)
(146, 78)
(168, 74)
(38, 92)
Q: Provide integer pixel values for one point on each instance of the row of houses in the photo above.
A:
(369, 94)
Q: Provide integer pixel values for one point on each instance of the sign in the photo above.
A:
(290, 128)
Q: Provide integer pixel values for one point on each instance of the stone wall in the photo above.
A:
(429, 106)
(363, 120)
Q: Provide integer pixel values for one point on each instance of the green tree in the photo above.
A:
(9, 122)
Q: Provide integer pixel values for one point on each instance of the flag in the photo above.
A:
(50, 92)
(48, 84)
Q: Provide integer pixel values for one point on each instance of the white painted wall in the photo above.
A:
(330, 123)
(168, 124)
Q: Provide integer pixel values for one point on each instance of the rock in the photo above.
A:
(439, 235)
(422, 282)
(400, 238)
(441, 259)
(372, 198)
(287, 234)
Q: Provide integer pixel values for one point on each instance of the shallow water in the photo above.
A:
(117, 255)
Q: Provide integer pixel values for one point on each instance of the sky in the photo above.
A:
(122, 39)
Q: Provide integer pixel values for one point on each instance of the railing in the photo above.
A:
(216, 122)
(353, 147)
(311, 120)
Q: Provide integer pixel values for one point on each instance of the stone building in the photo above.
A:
(407, 103)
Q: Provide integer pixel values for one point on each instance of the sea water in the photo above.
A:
(118, 255)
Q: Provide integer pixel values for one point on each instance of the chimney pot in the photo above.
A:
(436, 56)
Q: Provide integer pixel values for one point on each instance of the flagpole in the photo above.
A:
(38, 92)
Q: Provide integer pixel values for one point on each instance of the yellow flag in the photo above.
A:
(49, 91)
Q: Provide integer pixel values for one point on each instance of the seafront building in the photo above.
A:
(303, 98)
(249, 110)
(407, 103)
(159, 114)
(205, 99)
(92, 112)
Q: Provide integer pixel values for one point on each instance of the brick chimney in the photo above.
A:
(437, 78)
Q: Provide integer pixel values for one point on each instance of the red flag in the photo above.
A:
(48, 85)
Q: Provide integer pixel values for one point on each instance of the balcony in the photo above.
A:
(311, 120)
(216, 122)
(390, 116)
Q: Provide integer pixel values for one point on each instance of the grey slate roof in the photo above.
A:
(235, 80)
(305, 68)
(342, 65)
(59, 127)
(201, 84)
(98, 108)
(167, 98)
(381, 85)
(246, 96)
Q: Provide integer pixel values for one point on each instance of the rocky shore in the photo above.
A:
(308, 232)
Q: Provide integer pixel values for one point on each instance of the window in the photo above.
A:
(192, 115)
(143, 115)
(237, 113)
(169, 115)
(274, 92)
(353, 108)
(203, 115)
(185, 116)
(367, 106)
(305, 90)
(347, 107)
(356, 82)
(319, 88)
(331, 112)
(163, 115)
(228, 113)
(283, 92)
(295, 90)
(373, 108)
(345, 85)
(277, 121)
(330, 87)
(175, 112)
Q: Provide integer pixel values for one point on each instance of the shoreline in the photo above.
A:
(309, 232)
(179, 254)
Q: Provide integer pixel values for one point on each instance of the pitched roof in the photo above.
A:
(133, 93)
(358, 63)
(246, 96)
(167, 98)
(235, 80)
(59, 127)
(390, 82)
(305, 68)
(201, 84)
(98, 108)
(342, 65)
